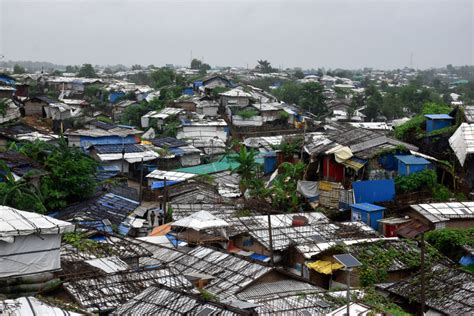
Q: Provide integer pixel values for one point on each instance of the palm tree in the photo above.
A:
(247, 167)
(264, 66)
(19, 193)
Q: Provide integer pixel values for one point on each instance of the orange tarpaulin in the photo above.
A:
(161, 230)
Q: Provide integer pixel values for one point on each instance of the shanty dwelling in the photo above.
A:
(437, 121)
(271, 112)
(29, 305)
(22, 167)
(127, 158)
(441, 215)
(119, 107)
(367, 213)
(99, 251)
(159, 118)
(15, 132)
(107, 208)
(211, 82)
(176, 153)
(186, 103)
(30, 246)
(203, 130)
(167, 300)
(160, 181)
(409, 164)
(390, 225)
(384, 260)
(102, 134)
(244, 116)
(36, 106)
(207, 108)
(323, 238)
(9, 110)
(102, 293)
(229, 277)
(176, 157)
(235, 98)
(201, 228)
(448, 291)
(462, 144)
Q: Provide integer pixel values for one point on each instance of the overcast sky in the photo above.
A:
(290, 33)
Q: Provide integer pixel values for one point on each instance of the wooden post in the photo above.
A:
(270, 236)
(140, 193)
(422, 274)
(165, 210)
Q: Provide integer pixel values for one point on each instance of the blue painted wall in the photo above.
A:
(388, 162)
(405, 170)
(433, 125)
(188, 91)
(269, 163)
(369, 218)
(114, 96)
(373, 191)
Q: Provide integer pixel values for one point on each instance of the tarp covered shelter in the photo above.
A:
(200, 221)
(29, 242)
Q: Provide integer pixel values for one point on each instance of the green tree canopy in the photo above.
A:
(312, 98)
(17, 69)
(264, 66)
(71, 173)
(87, 71)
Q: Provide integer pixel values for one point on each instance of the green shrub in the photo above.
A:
(247, 113)
(416, 181)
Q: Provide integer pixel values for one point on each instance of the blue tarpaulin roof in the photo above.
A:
(176, 151)
(412, 160)
(161, 184)
(173, 240)
(438, 117)
(258, 257)
(368, 207)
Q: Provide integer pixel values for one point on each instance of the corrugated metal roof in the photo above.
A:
(412, 160)
(170, 175)
(441, 212)
(438, 116)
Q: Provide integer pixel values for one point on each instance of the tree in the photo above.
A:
(299, 74)
(247, 168)
(71, 173)
(19, 193)
(17, 69)
(204, 68)
(162, 77)
(71, 69)
(87, 71)
(289, 92)
(137, 67)
(196, 64)
(108, 71)
(312, 98)
(264, 66)
(283, 191)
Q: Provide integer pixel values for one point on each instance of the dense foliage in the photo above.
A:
(71, 173)
(425, 179)
(307, 95)
(449, 241)
(415, 126)
(87, 71)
